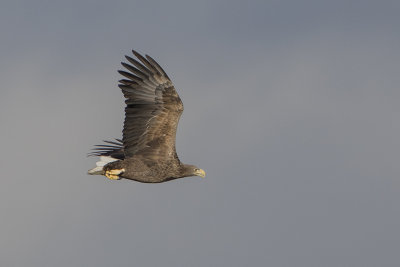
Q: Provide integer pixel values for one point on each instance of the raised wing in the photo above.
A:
(152, 112)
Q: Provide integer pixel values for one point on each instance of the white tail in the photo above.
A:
(98, 170)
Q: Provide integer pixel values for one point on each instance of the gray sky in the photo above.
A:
(291, 107)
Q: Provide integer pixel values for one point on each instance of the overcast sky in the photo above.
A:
(291, 107)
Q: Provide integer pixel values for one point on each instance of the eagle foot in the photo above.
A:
(114, 174)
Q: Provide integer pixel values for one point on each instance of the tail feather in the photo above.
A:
(98, 170)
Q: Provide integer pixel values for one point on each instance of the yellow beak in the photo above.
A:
(200, 173)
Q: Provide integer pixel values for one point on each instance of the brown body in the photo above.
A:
(138, 170)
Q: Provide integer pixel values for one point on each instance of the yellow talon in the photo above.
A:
(114, 174)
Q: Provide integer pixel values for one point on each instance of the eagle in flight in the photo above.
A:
(147, 151)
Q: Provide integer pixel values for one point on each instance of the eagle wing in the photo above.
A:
(153, 109)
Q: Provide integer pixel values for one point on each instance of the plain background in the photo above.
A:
(291, 107)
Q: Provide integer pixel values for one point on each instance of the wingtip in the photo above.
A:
(135, 52)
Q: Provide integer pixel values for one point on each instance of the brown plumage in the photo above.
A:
(146, 152)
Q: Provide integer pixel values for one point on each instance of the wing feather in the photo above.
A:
(152, 112)
(114, 150)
